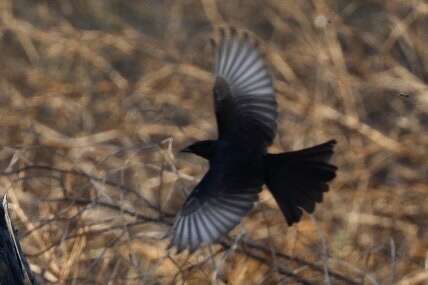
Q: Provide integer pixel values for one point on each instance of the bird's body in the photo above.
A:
(235, 164)
(239, 165)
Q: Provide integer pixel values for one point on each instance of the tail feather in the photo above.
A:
(298, 179)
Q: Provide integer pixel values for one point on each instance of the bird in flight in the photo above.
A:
(239, 164)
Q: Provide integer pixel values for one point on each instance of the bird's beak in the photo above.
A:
(185, 150)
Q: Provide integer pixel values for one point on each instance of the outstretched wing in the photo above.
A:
(244, 96)
(210, 213)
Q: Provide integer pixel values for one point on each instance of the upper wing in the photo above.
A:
(244, 96)
(210, 213)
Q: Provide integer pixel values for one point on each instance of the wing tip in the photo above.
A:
(225, 31)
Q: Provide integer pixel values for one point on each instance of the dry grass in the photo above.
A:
(100, 95)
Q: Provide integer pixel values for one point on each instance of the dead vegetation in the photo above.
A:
(97, 96)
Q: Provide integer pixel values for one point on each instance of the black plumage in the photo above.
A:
(246, 113)
(14, 269)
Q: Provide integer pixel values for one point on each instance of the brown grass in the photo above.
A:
(100, 95)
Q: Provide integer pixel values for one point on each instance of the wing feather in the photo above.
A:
(242, 76)
(207, 216)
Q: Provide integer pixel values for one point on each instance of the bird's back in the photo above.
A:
(236, 164)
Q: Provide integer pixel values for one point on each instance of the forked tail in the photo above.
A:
(298, 179)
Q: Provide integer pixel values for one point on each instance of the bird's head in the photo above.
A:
(203, 149)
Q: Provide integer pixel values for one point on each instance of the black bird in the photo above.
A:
(14, 269)
(239, 165)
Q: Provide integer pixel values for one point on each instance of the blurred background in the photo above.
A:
(96, 97)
